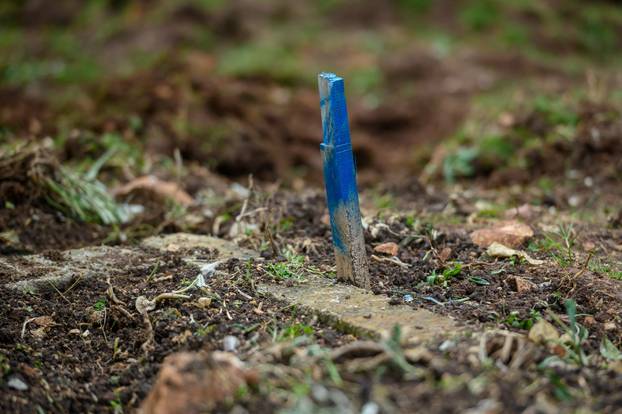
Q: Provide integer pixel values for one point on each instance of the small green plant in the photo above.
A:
(612, 271)
(574, 339)
(203, 331)
(515, 321)
(294, 331)
(100, 305)
(609, 351)
(393, 347)
(459, 163)
(443, 278)
(383, 201)
(480, 14)
(559, 244)
(291, 268)
(479, 281)
(116, 405)
(5, 367)
(286, 224)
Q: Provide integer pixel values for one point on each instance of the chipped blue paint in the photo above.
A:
(340, 181)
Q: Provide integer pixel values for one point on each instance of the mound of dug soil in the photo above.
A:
(30, 218)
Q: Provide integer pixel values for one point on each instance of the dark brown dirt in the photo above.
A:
(75, 365)
(27, 220)
(483, 292)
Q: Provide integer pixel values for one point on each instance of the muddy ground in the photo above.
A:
(123, 121)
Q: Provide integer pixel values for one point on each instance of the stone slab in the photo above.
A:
(361, 309)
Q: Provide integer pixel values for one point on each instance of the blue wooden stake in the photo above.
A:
(340, 181)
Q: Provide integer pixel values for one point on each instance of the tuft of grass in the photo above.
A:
(574, 339)
(293, 331)
(291, 268)
(100, 305)
(480, 15)
(515, 321)
(86, 200)
(262, 60)
(445, 276)
(559, 244)
(599, 266)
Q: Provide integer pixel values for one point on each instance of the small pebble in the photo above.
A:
(17, 384)
(447, 345)
(319, 393)
(204, 302)
(370, 407)
(230, 343)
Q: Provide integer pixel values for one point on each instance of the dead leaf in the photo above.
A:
(444, 254)
(39, 333)
(589, 246)
(389, 248)
(499, 250)
(509, 233)
(43, 321)
(153, 184)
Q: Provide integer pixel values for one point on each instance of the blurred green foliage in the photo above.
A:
(86, 48)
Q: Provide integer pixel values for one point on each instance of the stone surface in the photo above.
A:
(35, 273)
(360, 309)
(509, 233)
(179, 242)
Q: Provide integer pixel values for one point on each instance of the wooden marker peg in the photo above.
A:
(340, 181)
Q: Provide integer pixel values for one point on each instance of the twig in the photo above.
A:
(251, 213)
(148, 344)
(103, 325)
(244, 295)
(163, 278)
(73, 284)
(59, 292)
(113, 297)
(273, 245)
(169, 295)
(26, 322)
(245, 204)
(393, 260)
(123, 311)
(224, 305)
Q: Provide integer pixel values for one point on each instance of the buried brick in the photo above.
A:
(359, 311)
(35, 273)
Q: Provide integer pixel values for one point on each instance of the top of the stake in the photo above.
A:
(334, 112)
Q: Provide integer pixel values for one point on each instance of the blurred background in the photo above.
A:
(231, 84)
(200, 91)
